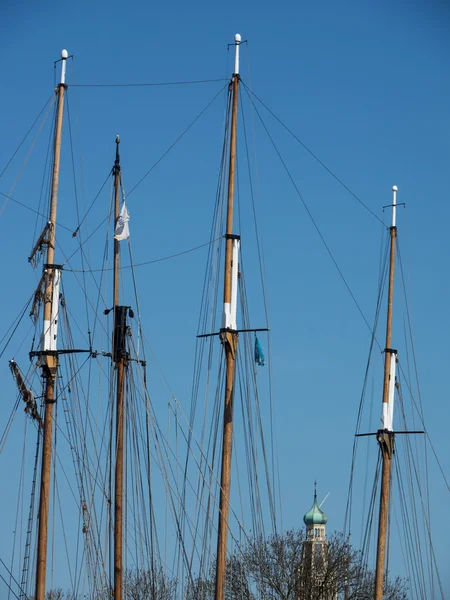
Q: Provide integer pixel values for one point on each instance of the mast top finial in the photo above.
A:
(117, 139)
(237, 40)
(394, 205)
(64, 57)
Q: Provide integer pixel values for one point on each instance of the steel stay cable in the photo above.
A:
(425, 510)
(20, 503)
(70, 418)
(248, 354)
(405, 551)
(211, 273)
(163, 83)
(262, 269)
(381, 285)
(252, 93)
(45, 187)
(414, 558)
(31, 515)
(9, 423)
(141, 435)
(411, 523)
(315, 224)
(163, 467)
(414, 361)
(15, 581)
(208, 305)
(10, 588)
(153, 166)
(143, 264)
(425, 429)
(169, 451)
(17, 322)
(27, 134)
(178, 139)
(80, 223)
(410, 458)
(36, 212)
(26, 159)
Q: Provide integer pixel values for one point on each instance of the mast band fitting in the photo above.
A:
(227, 330)
(120, 333)
(390, 351)
(58, 267)
(232, 236)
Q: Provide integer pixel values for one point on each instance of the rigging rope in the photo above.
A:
(142, 264)
(163, 83)
(252, 93)
(262, 270)
(25, 161)
(52, 97)
(36, 212)
(309, 213)
(201, 113)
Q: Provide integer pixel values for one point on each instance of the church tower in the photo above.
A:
(315, 521)
(314, 582)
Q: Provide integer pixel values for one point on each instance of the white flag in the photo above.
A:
(122, 231)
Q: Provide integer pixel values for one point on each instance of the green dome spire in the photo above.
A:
(315, 516)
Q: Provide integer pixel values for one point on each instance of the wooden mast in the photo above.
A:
(116, 174)
(120, 358)
(49, 357)
(229, 339)
(386, 436)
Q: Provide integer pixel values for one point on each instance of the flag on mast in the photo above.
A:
(122, 231)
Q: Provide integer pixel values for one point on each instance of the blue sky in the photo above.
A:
(366, 86)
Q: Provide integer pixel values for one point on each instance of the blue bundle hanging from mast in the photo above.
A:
(259, 354)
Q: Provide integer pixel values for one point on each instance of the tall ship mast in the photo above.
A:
(229, 339)
(120, 358)
(48, 356)
(386, 436)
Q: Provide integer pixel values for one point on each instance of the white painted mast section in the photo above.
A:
(394, 204)
(51, 327)
(388, 407)
(229, 319)
(64, 57)
(237, 39)
(234, 283)
(390, 425)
